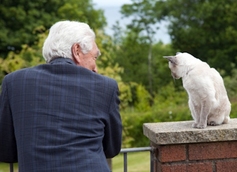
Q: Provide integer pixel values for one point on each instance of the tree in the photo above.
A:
(20, 20)
(27, 57)
(132, 55)
(137, 50)
(142, 24)
(205, 28)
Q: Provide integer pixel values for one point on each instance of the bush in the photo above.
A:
(169, 105)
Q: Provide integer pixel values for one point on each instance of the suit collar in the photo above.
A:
(59, 60)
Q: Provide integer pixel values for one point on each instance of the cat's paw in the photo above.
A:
(194, 125)
(201, 126)
(212, 123)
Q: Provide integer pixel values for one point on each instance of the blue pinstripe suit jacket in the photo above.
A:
(59, 117)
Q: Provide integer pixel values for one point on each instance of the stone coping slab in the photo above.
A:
(165, 133)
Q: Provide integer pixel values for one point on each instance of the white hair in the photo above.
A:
(63, 35)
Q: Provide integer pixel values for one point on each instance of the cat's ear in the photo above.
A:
(172, 59)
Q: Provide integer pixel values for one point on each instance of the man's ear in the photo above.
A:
(76, 50)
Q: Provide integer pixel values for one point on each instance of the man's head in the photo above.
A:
(74, 40)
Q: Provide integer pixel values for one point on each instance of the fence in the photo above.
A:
(127, 150)
(11, 167)
(124, 151)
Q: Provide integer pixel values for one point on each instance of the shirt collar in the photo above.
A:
(59, 60)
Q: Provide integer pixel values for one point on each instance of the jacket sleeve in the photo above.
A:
(113, 130)
(8, 150)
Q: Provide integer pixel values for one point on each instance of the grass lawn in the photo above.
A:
(137, 161)
(4, 167)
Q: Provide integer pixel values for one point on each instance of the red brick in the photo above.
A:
(183, 167)
(226, 166)
(202, 167)
(215, 150)
(171, 168)
(171, 153)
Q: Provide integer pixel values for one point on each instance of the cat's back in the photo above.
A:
(198, 72)
(215, 74)
(203, 78)
(217, 81)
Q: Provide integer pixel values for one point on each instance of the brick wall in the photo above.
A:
(181, 148)
(196, 157)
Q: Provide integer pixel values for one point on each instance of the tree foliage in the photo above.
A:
(28, 56)
(138, 52)
(142, 28)
(205, 28)
(20, 19)
(132, 55)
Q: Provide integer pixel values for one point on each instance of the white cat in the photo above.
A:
(208, 100)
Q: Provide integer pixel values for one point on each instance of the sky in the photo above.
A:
(111, 11)
(109, 3)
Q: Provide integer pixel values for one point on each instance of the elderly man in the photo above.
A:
(61, 116)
